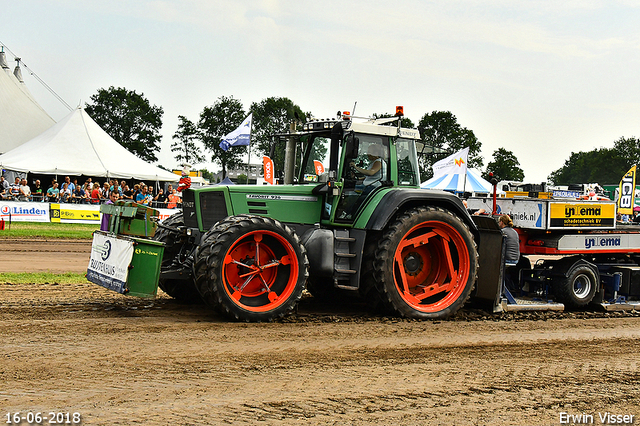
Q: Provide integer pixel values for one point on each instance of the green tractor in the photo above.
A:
(364, 225)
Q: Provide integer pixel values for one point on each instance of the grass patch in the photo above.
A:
(42, 277)
(75, 231)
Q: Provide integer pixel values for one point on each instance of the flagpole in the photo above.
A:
(249, 148)
(464, 188)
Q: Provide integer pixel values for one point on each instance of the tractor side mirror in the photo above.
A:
(352, 145)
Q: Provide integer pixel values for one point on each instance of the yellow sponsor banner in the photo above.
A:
(626, 192)
(587, 215)
(75, 213)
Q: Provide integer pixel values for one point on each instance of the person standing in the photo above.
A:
(95, 194)
(53, 193)
(512, 241)
(127, 193)
(14, 188)
(65, 193)
(143, 196)
(4, 185)
(37, 192)
(160, 198)
(79, 196)
(113, 197)
(25, 191)
(173, 199)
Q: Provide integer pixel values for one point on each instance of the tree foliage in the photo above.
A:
(185, 147)
(440, 129)
(628, 150)
(129, 118)
(216, 121)
(271, 116)
(602, 165)
(504, 166)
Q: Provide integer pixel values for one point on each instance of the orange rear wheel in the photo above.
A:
(425, 264)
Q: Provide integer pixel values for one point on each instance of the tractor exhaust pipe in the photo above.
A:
(290, 156)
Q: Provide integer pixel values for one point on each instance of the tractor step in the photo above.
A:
(345, 254)
(344, 272)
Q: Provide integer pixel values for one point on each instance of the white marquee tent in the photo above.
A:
(78, 146)
(21, 117)
(471, 181)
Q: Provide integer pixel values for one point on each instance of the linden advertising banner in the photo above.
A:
(109, 262)
(24, 211)
(582, 215)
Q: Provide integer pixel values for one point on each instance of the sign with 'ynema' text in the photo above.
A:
(581, 215)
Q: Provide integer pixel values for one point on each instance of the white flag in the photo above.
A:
(455, 164)
(240, 136)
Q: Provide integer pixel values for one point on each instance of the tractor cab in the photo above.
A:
(364, 159)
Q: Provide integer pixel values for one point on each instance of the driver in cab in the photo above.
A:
(375, 172)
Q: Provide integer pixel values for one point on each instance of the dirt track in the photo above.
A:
(118, 360)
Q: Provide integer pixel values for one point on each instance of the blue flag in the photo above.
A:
(240, 136)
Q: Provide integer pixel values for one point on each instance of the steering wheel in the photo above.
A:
(354, 172)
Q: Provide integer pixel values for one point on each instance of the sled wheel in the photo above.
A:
(578, 288)
(426, 264)
(174, 252)
(252, 268)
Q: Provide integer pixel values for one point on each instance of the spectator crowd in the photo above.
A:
(88, 193)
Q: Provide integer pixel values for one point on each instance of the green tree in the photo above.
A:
(440, 129)
(216, 121)
(602, 165)
(206, 174)
(129, 118)
(628, 150)
(505, 166)
(271, 116)
(185, 145)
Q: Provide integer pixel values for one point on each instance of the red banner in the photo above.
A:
(267, 164)
(319, 167)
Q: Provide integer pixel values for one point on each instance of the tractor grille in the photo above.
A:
(213, 208)
(189, 209)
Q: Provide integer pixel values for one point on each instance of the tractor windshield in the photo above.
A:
(312, 158)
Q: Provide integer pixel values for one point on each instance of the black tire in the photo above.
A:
(578, 288)
(230, 279)
(367, 289)
(438, 266)
(182, 290)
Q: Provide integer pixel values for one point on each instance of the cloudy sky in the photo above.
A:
(539, 78)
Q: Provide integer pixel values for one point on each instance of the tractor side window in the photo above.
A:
(408, 172)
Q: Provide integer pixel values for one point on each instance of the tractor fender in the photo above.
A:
(398, 200)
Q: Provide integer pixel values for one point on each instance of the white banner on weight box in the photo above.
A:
(109, 262)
